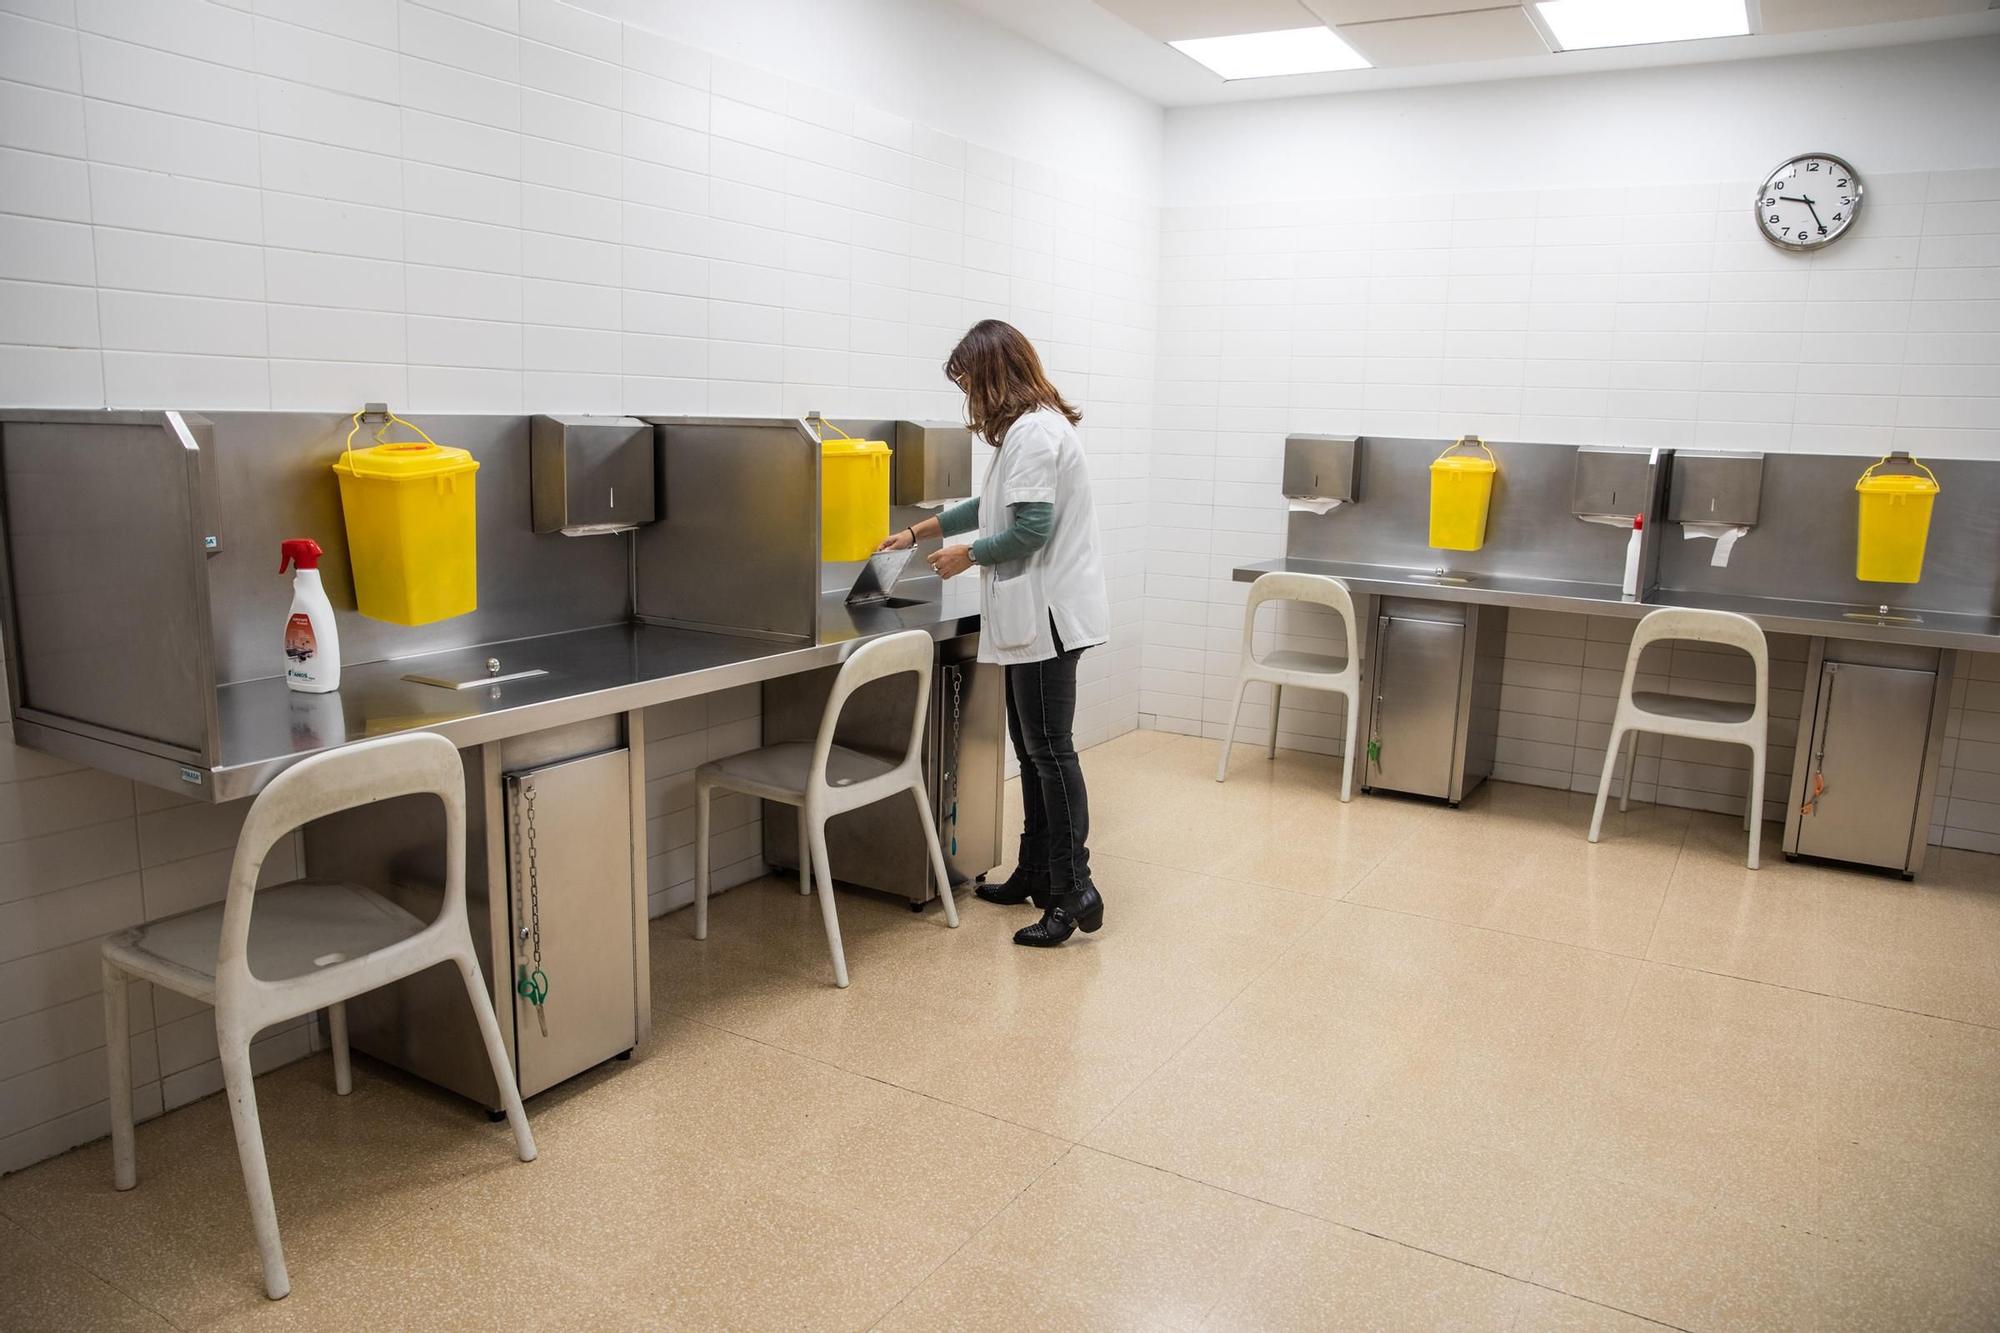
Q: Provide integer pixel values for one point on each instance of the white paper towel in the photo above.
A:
(1312, 504)
(1609, 520)
(1724, 535)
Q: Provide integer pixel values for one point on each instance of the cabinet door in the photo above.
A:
(1416, 704)
(1868, 747)
(569, 860)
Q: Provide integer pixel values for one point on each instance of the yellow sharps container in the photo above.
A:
(412, 527)
(853, 497)
(1895, 523)
(1461, 494)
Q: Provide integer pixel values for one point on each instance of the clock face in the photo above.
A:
(1810, 201)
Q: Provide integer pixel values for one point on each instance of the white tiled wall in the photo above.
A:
(516, 205)
(1968, 804)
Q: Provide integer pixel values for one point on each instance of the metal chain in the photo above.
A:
(531, 982)
(957, 738)
(534, 883)
(520, 880)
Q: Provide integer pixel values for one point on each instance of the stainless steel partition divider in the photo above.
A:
(107, 525)
(736, 545)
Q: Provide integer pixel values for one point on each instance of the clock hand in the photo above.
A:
(1801, 199)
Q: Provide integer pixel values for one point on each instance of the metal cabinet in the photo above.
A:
(1871, 734)
(965, 743)
(569, 838)
(1431, 688)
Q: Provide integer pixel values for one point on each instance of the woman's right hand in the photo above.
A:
(898, 541)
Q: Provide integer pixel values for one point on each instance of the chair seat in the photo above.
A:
(296, 929)
(781, 772)
(1309, 664)
(1693, 708)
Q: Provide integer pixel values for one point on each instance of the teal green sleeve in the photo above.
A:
(961, 517)
(1028, 533)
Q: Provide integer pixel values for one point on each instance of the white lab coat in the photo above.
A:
(1041, 461)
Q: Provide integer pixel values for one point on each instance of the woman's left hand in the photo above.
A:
(951, 561)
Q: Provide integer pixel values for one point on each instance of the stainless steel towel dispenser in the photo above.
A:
(1611, 481)
(933, 462)
(1708, 487)
(1321, 467)
(591, 474)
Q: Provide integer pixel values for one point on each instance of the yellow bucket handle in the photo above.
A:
(1869, 471)
(826, 424)
(1475, 440)
(347, 448)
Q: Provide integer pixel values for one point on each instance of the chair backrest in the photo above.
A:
(353, 775)
(1315, 589)
(878, 659)
(1697, 626)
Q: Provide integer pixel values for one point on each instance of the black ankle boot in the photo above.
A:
(1069, 913)
(1021, 887)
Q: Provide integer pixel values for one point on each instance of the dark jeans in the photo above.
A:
(1041, 713)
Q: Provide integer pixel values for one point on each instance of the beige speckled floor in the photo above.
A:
(1375, 1066)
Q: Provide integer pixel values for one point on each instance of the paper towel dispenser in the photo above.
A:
(1320, 467)
(591, 474)
(1714, 487)
(1611, 481)
(933, 462)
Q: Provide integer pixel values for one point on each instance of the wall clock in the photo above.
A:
(1808, 202)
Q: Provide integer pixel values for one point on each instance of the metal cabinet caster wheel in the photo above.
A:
(623, 1055)
(916, 907)
(494, 1117)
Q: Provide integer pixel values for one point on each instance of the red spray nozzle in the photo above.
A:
(1638, 522)
(298, 553)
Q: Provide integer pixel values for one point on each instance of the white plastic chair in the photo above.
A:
(265, 956)
(824, 779)
(1301, 670)
(1733, 722)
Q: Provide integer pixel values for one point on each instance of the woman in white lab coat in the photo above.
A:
(1041, 601)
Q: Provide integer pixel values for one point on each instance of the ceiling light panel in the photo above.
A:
(1579, 25)
(1263, 55)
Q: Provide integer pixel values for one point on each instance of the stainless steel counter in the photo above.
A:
(1931, 629)
(590, 673)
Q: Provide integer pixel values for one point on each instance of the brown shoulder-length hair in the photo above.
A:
(1003, 379)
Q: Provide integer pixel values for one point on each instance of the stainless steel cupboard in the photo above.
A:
(1431, 690)
(1871, 730)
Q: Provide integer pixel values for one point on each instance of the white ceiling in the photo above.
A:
(1414, 42)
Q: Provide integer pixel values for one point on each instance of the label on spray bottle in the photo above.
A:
(301, 646)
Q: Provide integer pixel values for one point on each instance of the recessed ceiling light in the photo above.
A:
(1261, 55)
(1578, 25)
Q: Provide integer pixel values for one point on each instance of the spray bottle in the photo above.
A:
(1632, 548)
(312, 642)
